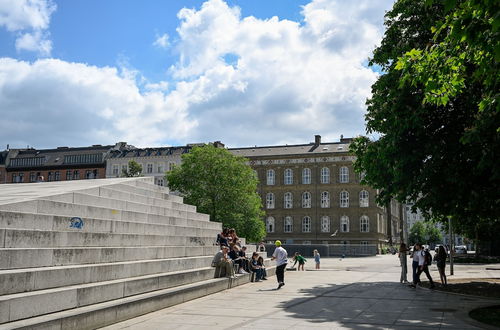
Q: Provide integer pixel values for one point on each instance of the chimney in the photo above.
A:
(218, 144)
(317, 140)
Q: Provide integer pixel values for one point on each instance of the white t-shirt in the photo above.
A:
(281, 256)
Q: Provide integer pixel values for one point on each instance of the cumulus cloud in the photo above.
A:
(29, 20)
(286, 81)
(51, 103)
(161, 41)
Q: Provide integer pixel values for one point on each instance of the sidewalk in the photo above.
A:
(355, 293)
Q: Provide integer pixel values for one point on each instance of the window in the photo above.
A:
(160, 168)
(271, 179)
(325, 175)
(50, 176)
(270, 225)
(344, 174)
(88, 174)
(69, 175)
(115, 170)
(32, 177)
(76, 175)
(160, 182)
(288, 225)
(344, 199)
(362, 176)
(150, 168)
(325, 199)
(124, 169)
(83, 159)
(270, 201)
(57, 176)
(306, 225)
(325, 224)
(364, 226)
(306, 176)
(288, 200)
(288, 176)
(306, 242)
(344, 224)
(363, 198)
(306, 200)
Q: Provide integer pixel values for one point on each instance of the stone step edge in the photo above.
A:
(72, 316)
(133, 194)
(143, 236)
(102, 264)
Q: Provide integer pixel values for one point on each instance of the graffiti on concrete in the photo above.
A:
(76, 222)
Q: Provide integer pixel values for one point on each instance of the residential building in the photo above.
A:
(60, 164)
(311, 195)
(3, 171)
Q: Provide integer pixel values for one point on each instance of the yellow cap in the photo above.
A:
(277, 243)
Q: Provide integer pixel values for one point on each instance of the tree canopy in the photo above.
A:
(436, 109)
(134, 169)
(424, 233)
(222, 185)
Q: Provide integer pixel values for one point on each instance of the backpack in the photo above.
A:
(428, 257)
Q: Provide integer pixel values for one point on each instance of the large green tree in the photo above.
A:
(435, 109)
(133, 169)
(425, 233)
(222, 185)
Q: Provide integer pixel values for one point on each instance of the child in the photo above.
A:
(316, 258)
(300, 259)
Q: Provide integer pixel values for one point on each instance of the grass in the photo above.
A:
(488, 315)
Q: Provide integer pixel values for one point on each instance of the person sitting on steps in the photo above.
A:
(221, 261)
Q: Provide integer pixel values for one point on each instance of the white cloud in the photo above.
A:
(161, 41)
(287, 81)
(51, 102)
(29, 19)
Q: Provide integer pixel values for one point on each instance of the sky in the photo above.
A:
(162, 73)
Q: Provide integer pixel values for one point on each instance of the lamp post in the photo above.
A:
(451, 245)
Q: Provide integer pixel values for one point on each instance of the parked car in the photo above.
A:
(461, 249)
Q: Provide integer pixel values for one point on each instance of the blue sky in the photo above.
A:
(157, 72)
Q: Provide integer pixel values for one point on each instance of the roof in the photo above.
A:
(3, 157)
(149, 152)
(297, 149)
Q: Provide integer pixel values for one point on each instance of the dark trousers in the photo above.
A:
(414, 267)
(280, 273)
(425, 269)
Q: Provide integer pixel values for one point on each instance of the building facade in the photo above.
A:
(3, 171)
(154, 161)
(60, 164)
(311, 195)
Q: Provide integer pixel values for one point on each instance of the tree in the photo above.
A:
(436, 110)
(432, 233)
(222, 185)
(417, 233)
(134, 169)
(425, 233)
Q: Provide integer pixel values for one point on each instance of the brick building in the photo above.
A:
(60, 164)
(311, 195)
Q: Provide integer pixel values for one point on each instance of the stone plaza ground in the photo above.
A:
(354, 293)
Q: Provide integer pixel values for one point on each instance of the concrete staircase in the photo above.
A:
(85, 254)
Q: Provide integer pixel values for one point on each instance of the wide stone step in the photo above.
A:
(89, 211)
(32, 279)
(46, 257)
(30, 304)
(102, 314)
(19, 238)
(170, 225)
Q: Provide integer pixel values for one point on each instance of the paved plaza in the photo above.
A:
(354, 293)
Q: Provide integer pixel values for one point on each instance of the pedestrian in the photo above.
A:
(414, 264)
(424, 260)
(316, 258)
(280, 255)
(441, 264)
(300, 259)
(402, 260)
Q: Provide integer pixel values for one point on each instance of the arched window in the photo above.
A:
(325, 224)
(363, 198)
(306, 224)
(270, 224)
(325, 175)
(288, 200)
(306, 200)
(325, 199)
(288, 225)
(344, 174)
(288, 176)
(271, 179)
(306, 176)
(344, 224)
(364, 225)
(270, 201)
(344, 199)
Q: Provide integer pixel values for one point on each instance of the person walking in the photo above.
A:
(441, 263)
(414, 264)
(424, 260)
(280, 255)
(316, 258)
(402, 260)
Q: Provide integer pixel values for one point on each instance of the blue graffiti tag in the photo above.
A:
(76, 222)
